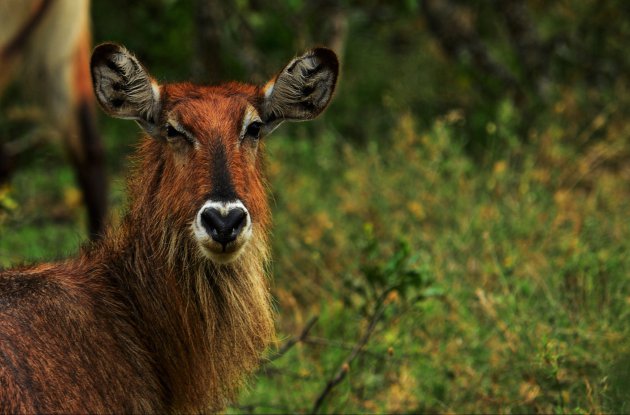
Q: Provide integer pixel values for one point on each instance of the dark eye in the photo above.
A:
(253, 129)
(171, 132)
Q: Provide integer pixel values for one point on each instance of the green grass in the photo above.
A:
(40, 214)
(504, 281)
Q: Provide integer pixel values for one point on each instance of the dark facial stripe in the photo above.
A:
(222, 186)
(22, 36)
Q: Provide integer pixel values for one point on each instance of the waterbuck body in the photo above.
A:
(170, 311)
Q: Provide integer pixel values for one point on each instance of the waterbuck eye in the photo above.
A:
(253, 129)
(171, 132)
(174, 135)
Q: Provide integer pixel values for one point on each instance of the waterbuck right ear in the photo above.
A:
(122, 86)
(302, 90)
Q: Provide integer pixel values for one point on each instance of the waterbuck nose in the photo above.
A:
(223, 228)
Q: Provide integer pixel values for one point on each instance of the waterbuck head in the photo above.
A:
(207, 141)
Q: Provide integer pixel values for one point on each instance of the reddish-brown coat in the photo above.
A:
(121, 328)
(145, 320)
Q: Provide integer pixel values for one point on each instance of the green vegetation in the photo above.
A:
(477, 239)
(511, 278)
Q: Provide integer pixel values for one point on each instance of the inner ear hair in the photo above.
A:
(122, 86)
(303, 89)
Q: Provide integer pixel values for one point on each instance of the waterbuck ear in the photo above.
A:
(122, 86)
(302, 90)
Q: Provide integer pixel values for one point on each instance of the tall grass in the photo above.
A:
(517, 292)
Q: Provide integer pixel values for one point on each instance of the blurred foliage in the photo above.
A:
(471, 177)
(394, 59)
(521, 270)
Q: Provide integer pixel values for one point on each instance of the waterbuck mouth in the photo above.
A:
(222, 230)
(220, 254)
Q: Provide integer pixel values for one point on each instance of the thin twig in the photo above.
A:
(320, 341)
(392, 355)
(293, 341)
(271, 371)
(249, 408)
(342, 371)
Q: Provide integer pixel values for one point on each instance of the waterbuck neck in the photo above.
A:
(204, 324)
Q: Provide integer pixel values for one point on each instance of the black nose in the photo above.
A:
(223, 229)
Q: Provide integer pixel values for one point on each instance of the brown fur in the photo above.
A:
(143, 321)
(150, 324)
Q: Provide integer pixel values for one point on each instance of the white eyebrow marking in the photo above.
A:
(250, 116)
(170, 119)
(268, 89)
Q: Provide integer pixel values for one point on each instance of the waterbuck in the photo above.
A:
(169, 311)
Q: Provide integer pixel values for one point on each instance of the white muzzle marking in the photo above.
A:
(210, 247)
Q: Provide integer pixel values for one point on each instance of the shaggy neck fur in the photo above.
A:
(205, 325)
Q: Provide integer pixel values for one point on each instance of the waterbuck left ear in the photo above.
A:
(302, 90)
(122, 86)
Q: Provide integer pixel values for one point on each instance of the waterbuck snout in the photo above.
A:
(223, 229)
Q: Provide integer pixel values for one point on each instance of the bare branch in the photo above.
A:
(293, 341)
(390, 355)
(342, 371)
(271, 371)
(250, 408)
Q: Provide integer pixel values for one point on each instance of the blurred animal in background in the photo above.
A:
(45, 47)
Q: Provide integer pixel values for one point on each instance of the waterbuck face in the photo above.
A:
(209, 140)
